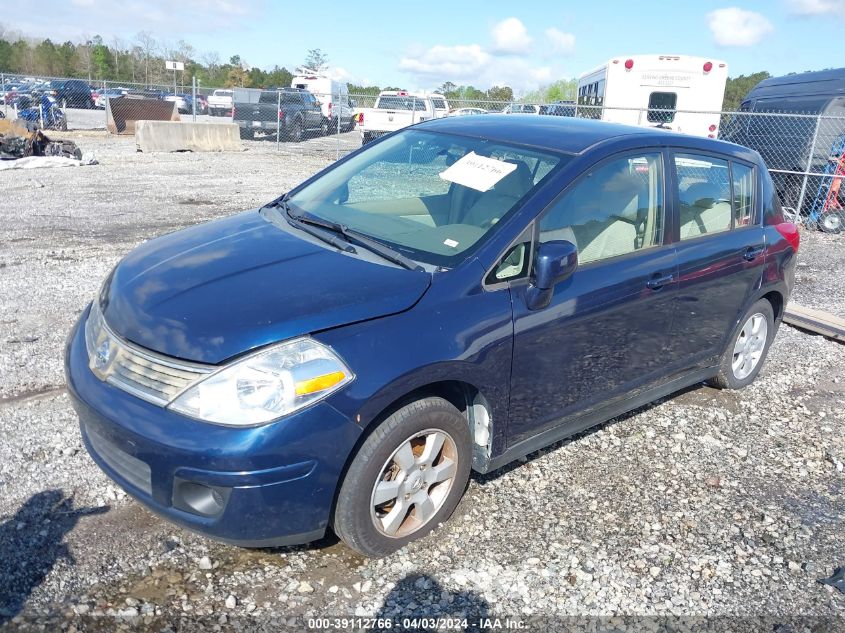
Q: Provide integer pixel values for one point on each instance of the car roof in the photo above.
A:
(566, 134)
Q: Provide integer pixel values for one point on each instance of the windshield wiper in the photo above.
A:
(380, 249)
(295, 220)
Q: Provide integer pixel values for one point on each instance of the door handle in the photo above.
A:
(752, 252)
(658, 281)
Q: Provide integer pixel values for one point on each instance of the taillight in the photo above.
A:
(708, 66)
(712, 128)
(233, 112)
(790, 233)
(281, 114)
(629, 64)
(360, 118)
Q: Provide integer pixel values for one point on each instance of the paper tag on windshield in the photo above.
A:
(478, 172)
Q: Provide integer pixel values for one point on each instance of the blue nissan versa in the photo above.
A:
(452, 297)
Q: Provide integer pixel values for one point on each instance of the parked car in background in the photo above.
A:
(184, 102)
(332, 95)
(220, 103)
(441, 106)
(559, 108)
(467, 111)
(522, 108)
(70, 93)
(294, 113)
(108, 93)
(393, 110)
(450, 298)
(202, 104)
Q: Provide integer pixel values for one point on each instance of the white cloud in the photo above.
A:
(816, 7)
(510, 37)
(737, 27)
(471, 64)
(456, 63)
(561, 42)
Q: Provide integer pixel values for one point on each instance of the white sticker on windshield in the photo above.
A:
(451, 243)
(478, 172)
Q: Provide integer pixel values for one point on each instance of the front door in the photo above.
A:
(606, 331)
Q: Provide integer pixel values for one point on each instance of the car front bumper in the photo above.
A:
(255, 487)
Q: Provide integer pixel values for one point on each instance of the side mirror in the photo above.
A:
(555, 262)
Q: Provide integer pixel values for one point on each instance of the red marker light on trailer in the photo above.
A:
(712, 128)
(629, 64)
(708, 66)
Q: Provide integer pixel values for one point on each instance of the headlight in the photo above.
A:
(266, 385)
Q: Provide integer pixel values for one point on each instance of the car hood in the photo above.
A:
(213, 291)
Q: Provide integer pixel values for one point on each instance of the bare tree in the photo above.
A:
(148, 46)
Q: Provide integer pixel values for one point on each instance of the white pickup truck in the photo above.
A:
(394, 110)
(220, 103)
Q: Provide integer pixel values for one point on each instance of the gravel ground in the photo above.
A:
(704, 504)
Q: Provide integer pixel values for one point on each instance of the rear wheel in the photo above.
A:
(247, 134)
(748, 348)
(407, 477)
(295, 132)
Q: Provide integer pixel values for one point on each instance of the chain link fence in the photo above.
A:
(805, 153)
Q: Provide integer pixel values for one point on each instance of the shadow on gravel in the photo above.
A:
(418, 602)
(31, 543)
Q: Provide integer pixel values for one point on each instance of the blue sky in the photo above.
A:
(422, 44)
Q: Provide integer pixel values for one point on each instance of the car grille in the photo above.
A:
(130, 468)
(145, 374)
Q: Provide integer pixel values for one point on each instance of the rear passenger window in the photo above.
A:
(704, 191)
(616, 208)
(743, 181)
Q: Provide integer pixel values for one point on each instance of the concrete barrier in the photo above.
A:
(183, 136)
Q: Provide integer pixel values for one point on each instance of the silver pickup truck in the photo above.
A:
(394, 110)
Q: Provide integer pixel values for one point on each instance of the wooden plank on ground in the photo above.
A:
(817, 321)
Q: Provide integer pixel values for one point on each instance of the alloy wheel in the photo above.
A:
(414, 483)
(749, 346)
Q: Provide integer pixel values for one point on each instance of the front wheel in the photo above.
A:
(748, 348)
(407, 477)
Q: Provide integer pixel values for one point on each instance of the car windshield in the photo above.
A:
(434, 197)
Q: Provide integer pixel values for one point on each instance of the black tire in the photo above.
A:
(353, 519)
(324, 127)
(247, 134)
(295, 132)
(727, 377)
(366, 138)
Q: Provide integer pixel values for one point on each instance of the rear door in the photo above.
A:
(721, 250)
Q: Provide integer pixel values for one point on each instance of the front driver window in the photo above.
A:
(614, 209)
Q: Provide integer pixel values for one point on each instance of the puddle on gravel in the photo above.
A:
(327, 562)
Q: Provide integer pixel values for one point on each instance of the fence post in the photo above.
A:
(3, 92)
(808, 168)
(104, 98)
(194, 98)
(338, 115)
(278, 117)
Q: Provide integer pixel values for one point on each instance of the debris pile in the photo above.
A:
(28, 150)
(14, 146)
